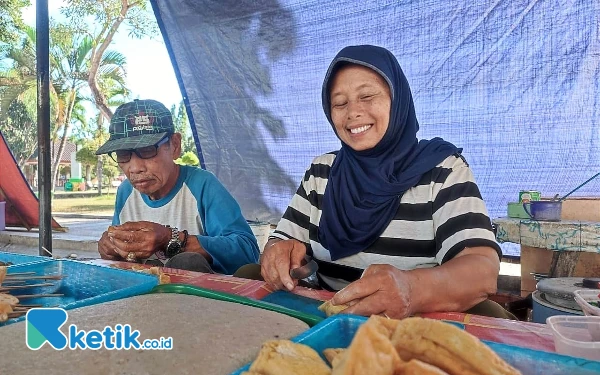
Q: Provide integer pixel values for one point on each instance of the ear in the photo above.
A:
(176, 145)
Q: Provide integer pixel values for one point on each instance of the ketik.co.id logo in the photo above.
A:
(43, 325)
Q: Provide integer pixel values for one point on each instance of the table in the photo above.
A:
(559, 236)
(208, 337)
(530, 335)
(553, 249)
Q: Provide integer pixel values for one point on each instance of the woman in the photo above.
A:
(398, 223)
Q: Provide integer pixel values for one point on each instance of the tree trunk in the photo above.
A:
(99, 97)
(56, 162)
(63, 141)
(99, 174)
(88, 173)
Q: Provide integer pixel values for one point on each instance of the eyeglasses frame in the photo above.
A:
(164, 140)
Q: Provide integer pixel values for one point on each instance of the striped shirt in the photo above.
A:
(437, 218)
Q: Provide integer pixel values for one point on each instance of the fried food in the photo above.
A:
(416, 367)
(371, 351)
(283, 357)
(330, 309)
(8, 299)
(382, 346)
(447, 347)
(2, 273)
(5, 309)
(333, 355)
(163, 278)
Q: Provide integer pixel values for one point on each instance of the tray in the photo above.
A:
(338, 331)
(309, 319)
(83, 285)
(296, 302)
(18, 259)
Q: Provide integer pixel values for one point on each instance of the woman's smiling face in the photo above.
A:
(360, 106)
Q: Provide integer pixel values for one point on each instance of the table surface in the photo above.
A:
(553, 235)
(525, 334)
(208, 337)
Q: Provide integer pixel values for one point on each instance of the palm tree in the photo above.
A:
(18, 78)
(18, 94)
(72, 52)
(70, 55)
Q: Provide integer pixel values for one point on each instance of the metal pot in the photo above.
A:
(544, 210)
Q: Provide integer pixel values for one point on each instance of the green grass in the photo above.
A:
(103, 205)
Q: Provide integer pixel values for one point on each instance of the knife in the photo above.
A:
(306, 270)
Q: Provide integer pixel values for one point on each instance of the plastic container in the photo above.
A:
(83, 284)
(584, 297)
(516, 210)
(18, 259)
(338, 331)
(576, 335)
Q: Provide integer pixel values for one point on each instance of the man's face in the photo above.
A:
(156, 176)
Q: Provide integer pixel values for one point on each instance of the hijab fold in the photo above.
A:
(364, 187)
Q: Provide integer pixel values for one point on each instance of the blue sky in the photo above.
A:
(150, 74)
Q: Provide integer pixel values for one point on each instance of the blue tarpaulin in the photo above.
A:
(513, 82)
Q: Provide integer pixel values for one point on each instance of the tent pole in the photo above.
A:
(43, 123)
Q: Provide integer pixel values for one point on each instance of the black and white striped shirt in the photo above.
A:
(436, 219)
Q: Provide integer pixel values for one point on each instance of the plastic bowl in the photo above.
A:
(577, 336)
(583, 298)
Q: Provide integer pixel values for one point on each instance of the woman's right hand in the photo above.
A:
(276, 261)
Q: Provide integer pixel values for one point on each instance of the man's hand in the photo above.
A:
(143, 238)
(383, 289)
(107, 249)
(278, 259)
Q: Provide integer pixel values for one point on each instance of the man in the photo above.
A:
(167, 214)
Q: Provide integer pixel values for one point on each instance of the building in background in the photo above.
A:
(67, 165)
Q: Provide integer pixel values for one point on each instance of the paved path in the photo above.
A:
(81, 237)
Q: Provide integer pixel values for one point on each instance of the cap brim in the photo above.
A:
(130, 143)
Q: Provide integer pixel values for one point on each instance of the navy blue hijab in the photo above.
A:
(364, 187)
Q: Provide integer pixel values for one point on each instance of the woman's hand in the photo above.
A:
(140, 238)
(383, 289)
(276, 261)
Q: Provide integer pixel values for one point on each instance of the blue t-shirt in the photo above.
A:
(200, 204)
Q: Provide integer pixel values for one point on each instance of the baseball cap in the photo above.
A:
(136, 124)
